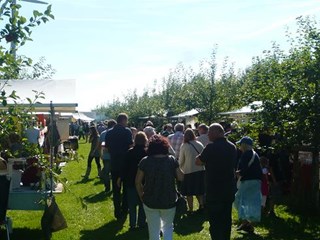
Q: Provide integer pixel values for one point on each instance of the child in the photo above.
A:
(264, 183)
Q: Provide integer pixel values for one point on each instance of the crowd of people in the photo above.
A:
(147, 169)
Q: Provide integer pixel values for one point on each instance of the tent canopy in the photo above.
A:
(189, 113)
(60, 92)
(246, 109)
(82, 116)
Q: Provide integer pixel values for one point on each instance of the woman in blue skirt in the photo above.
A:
(248, 197)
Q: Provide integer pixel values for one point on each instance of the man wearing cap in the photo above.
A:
(248, 197)
(219, 158)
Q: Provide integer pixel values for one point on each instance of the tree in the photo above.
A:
(39, 70)
(288, 85)
(16, 32)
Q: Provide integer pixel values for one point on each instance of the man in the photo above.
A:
(101, 127)
(203, 134)
(167, 130)
(219, 158)
(176, 139)
(118, 140)
(33, 134)
(105, 155)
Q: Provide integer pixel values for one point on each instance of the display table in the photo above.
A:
(20, 197)
(26, 198)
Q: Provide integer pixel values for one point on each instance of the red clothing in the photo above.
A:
(264, 182)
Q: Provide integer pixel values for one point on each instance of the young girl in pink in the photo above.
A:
(264, 183)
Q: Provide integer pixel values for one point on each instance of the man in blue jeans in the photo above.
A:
(219, 157)
(118, 140)
(105, 156)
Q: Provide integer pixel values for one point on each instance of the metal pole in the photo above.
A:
(51, 147)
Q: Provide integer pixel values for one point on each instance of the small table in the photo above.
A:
(25, 198)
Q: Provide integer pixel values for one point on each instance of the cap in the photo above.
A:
(246, 140)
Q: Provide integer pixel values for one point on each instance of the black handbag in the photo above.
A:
(181, 207)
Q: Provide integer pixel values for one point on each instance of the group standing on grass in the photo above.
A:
(147, 169)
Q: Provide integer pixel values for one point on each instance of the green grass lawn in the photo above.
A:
(97, 221)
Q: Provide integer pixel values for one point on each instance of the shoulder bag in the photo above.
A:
(249, 164)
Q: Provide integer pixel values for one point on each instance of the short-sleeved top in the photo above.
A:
(159, 188)
(118, 140)
(219, 158)
(176, 140)
(252, 172)
(105, 153)
(33, 135)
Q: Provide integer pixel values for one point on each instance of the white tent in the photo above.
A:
(60, 92)
(242, 114)
(189, 113)
(249, 109)
(189, 116)
(82, 116)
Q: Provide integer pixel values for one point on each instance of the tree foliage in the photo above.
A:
(182, 90)
(286, 81)
(15, 32)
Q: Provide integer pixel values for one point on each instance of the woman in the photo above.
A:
(158, 193)
(248, 197)
(193, 183)
(128, 175)
(94, 151)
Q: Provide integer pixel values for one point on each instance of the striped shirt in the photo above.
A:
(175, 141)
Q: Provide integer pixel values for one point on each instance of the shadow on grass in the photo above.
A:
(98, 181)
(190, 224)
(297, 227)
(84, 181)
(250, 236)
(94, 198)
(23, 233)
(111, 231)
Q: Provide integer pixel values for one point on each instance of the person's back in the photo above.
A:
(219, 157)
(159, 188)
(203, 134)
(176, 139)
(220, 170)
(188, 153)
(132, 159)
(117, 140)
(33, 135)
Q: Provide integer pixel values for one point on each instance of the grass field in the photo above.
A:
(97, 221)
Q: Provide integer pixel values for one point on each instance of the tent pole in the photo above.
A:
(51, 147)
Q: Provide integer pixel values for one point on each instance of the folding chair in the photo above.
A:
(4, 196)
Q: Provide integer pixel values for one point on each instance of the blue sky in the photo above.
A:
(110, 46)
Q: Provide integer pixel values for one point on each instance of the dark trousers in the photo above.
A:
(219, 215)
(4, 190)
(120, 203)
(97, 159)
(133, 203)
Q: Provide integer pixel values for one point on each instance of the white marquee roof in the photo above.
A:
(60, 92)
